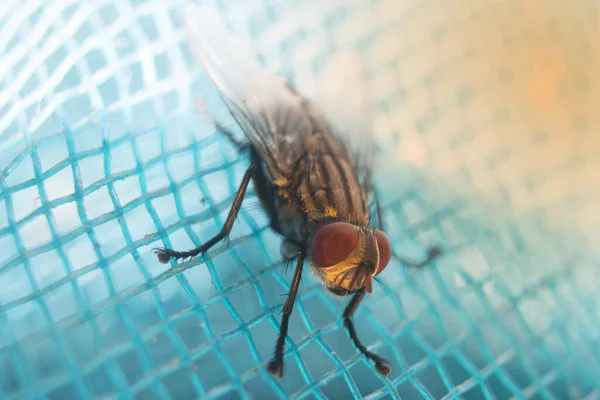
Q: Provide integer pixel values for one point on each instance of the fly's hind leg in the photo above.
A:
(164, 254)
(381, 366)
(238, 144)
(432, 252)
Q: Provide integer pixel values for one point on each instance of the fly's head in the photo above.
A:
(347, 257)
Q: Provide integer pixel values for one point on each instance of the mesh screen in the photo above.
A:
(487, 110)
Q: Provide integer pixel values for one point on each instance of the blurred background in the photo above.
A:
(485, 112)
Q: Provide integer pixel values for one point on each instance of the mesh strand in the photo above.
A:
(487, 110)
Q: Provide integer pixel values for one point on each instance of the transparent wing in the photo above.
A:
(343, 99)
(274, 118)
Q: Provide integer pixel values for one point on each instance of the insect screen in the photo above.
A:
(485, 115)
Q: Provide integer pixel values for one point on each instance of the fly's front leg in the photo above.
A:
(381, 366)
(432, 253)
(275, 366)
(164, 254)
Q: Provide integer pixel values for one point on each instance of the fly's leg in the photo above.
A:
(275, 366)
(164, 254)
(432, 253)
(381, 366)
(239, 145)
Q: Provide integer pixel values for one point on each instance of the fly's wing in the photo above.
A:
(274, 118)
(343, 99)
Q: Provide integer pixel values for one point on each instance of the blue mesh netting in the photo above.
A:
(489, 109)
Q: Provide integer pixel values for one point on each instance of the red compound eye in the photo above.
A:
(385, 250)
(333, 243)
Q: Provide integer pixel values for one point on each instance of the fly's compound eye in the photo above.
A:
(385, 250)
(333, 243)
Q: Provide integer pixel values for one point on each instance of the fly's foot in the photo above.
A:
(164, 255)
(382, 367)
(433, 253)
(275, 368)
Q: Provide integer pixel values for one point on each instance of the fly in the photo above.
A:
(312, 183)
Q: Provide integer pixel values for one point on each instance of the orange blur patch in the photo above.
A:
(413, 150)
(547, 71)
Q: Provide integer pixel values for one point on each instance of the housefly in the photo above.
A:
(313, 180)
